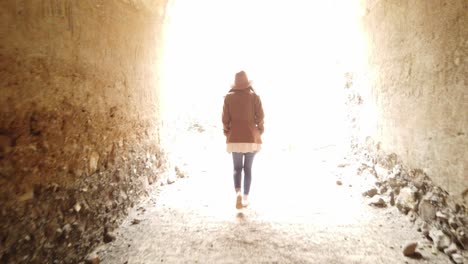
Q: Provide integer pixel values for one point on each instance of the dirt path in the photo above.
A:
(298, 214)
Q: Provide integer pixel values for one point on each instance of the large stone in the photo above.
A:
(427, 211)
(410, 249)
(441, 240)
(406, 199)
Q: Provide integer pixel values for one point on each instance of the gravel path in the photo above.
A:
(298, 214)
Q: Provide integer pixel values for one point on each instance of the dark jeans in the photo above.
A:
(246, 164)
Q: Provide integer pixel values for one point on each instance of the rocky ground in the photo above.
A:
(440, 217)
(304, 209)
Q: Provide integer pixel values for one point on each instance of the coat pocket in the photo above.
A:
(257, 135)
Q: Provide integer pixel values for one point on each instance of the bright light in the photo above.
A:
(296, 53)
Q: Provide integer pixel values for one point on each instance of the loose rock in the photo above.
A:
(418, 176)
(179, 172)
(67, 228)
(451, 249)
(93, 161)
(412, 216)
(425, 229)
(370, 192)
(77, 207)
(441, 241)
(441, 215)
(453, 222)
(392, 199)
(427, 211)
(377, 201)
(339, 183)
(136, 221)
(462, 236)
(109, 237)
(457, 258)
(383, 189)
(381, 172)
(170, 180)
(92, 259)
(410, 249)
(406, 200)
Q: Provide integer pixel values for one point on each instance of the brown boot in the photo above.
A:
(239, 201)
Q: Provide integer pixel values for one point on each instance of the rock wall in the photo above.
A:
(79, 139)
(413, 94)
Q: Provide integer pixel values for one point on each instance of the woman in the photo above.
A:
(243, 127)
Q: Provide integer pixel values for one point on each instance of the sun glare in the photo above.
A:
(295, 52)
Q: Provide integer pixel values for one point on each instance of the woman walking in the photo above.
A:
(243, 126)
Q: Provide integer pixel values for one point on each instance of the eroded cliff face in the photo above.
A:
(413, 95)
(79, 118)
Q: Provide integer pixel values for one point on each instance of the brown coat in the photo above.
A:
(243, 117)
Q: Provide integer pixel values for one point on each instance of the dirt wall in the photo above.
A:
(79, 138)
(414, 97)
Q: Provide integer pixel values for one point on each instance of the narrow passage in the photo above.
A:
(298, 214)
